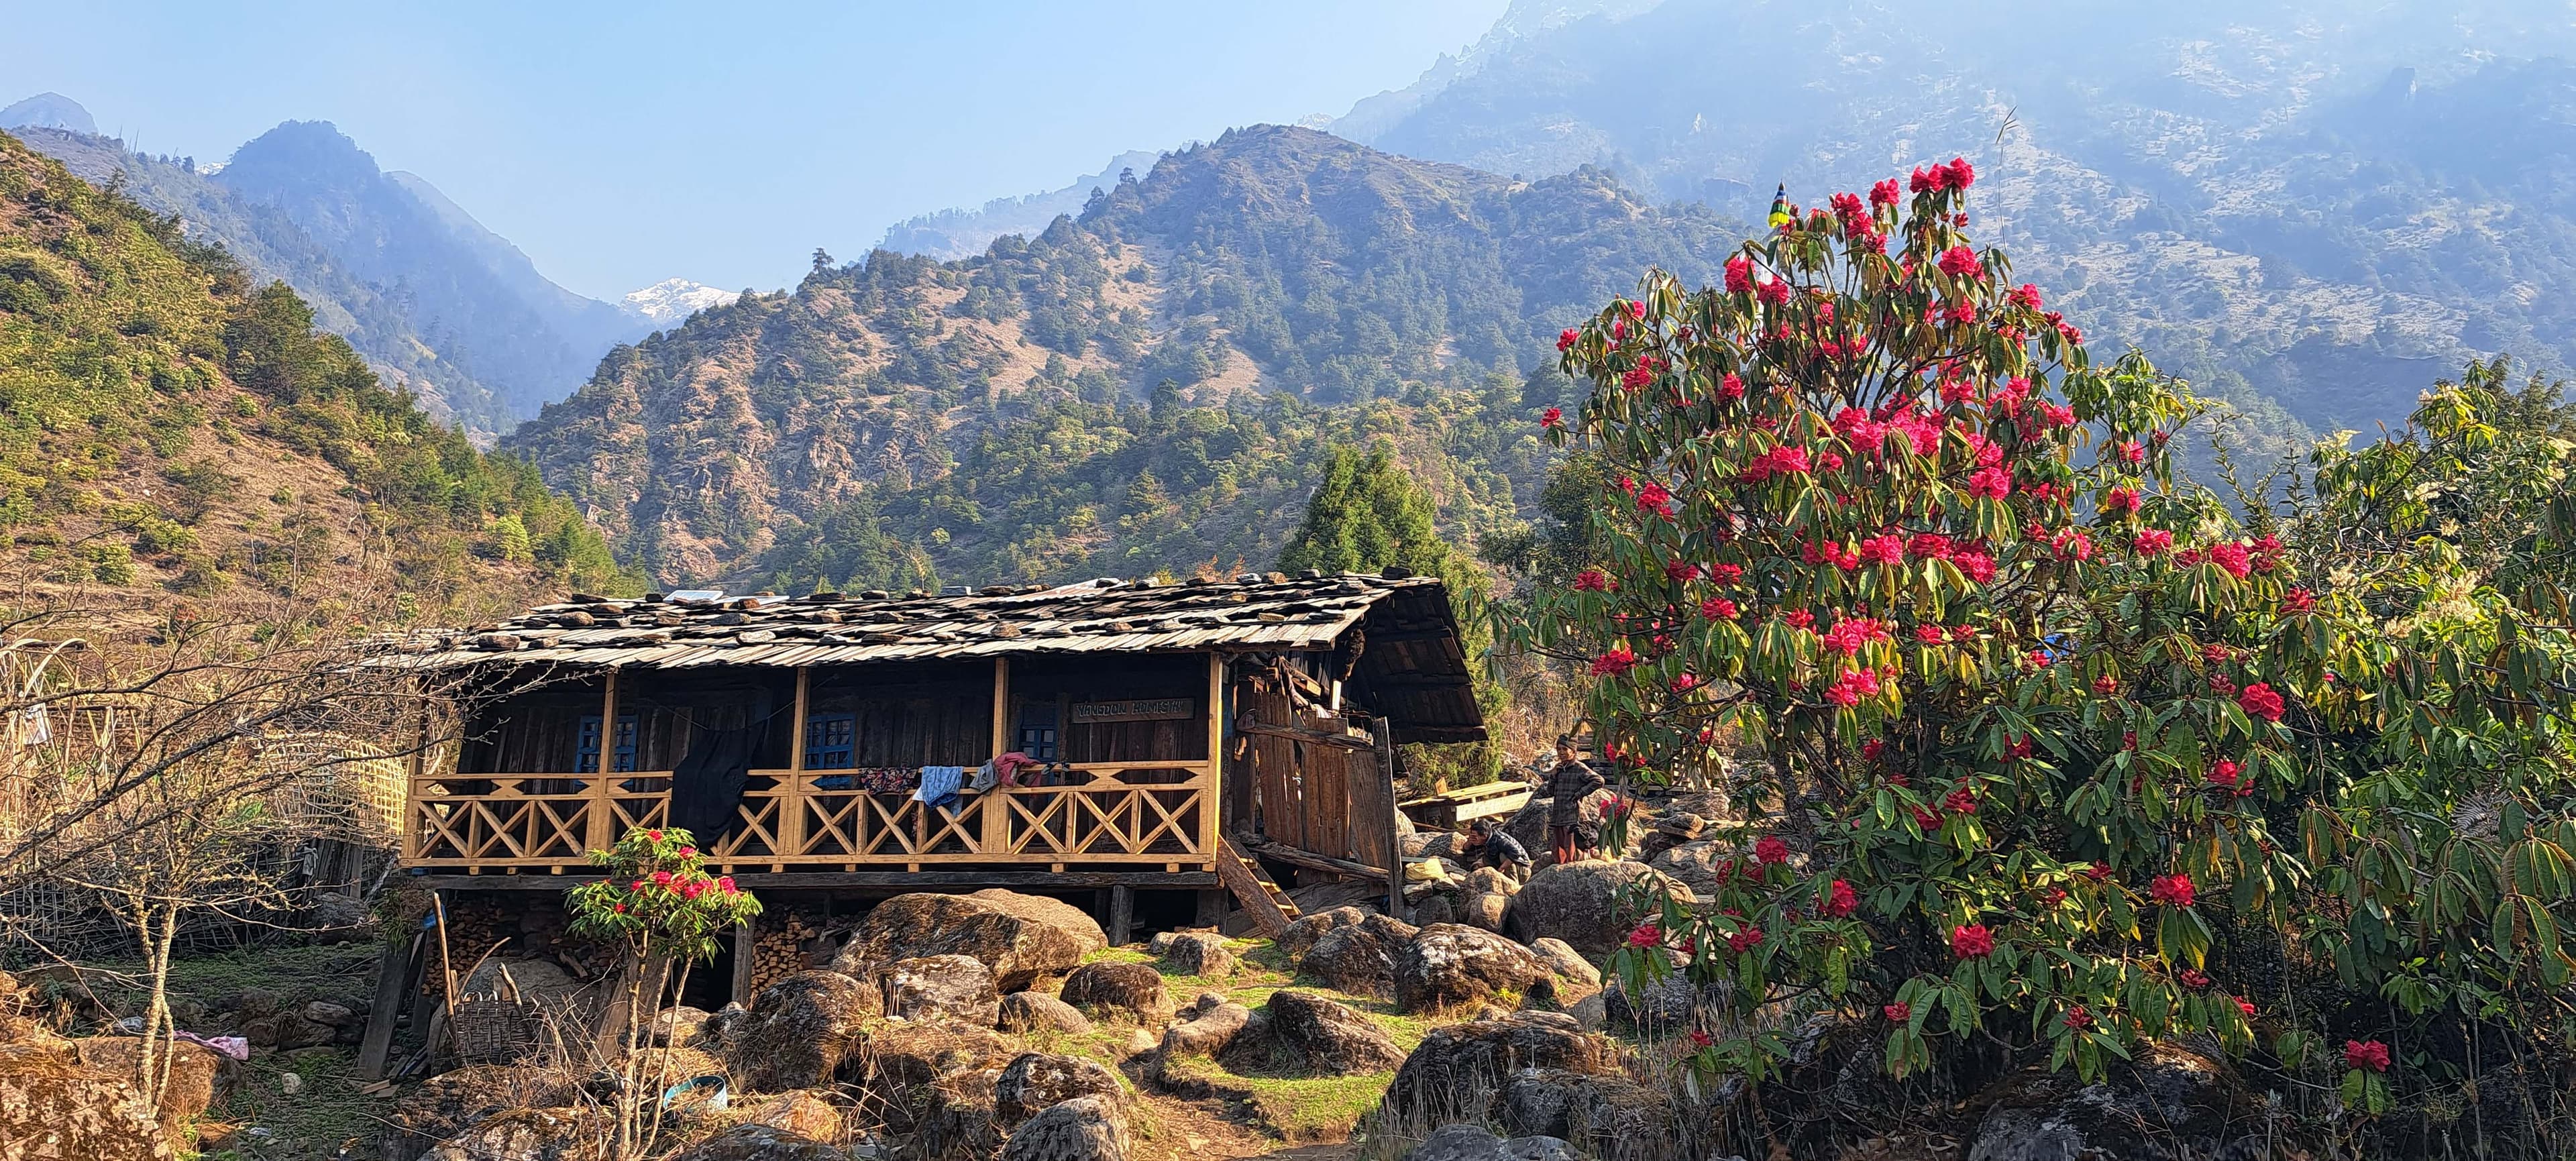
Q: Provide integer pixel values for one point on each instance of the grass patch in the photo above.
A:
(316, 1123)
(1297, 1108)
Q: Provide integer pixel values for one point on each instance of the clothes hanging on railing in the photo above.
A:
(940, 786)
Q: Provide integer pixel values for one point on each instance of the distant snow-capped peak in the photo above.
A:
(673, 299)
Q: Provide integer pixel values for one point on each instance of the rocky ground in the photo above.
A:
(1477, 1027)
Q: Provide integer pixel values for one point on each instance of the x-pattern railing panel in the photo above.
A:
(1108, 812)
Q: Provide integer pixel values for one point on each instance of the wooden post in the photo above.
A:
(393, 971)
(746, 939)
(995, 833)
(1122, 915)
(598, 828)
(791, 805)
(1394, 833)
(412, 797)
(1212, 800)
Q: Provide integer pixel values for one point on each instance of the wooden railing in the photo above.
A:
(1132, 813)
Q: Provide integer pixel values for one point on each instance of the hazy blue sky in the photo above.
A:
(623, 144)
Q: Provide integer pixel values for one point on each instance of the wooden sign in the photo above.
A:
(1154, 709)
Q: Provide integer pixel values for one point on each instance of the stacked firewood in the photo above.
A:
(779, 949)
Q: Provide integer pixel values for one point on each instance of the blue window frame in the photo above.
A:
(831, 741)
(586, 754)
(1038, 730)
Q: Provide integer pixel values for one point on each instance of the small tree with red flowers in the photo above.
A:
(2031, 705)
(659, 901)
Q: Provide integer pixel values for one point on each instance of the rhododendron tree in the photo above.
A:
(1902, 533)
(659, 902)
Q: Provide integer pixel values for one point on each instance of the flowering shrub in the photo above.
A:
(658, 898)
(2039, 709)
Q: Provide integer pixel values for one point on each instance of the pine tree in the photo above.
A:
(1370, 515)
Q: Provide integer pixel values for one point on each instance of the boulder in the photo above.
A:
(1458, 1072)
(1602, 1115)
(937, 987)
(1206, 1033)
(451, 1102)
(1329, 1039)
(1580, 904)
(1038, 1011)
(1436, 909)
(1464, 1142)
(1666, 1008)
(1199, 953)
(954, 1116)
(2167, 1105)
(801, 1113)
(1696, 864)
(1131, 989)
(1086, 1128)
(1485, 910)
(1491, 879)
(1359, 958)
(54, 1106)
(1021, 938)
(195, 1071)
(1302, 935)
(1568, 964)
(1450, 964)
(1035, 1080)
(678, 1024)
(756, 1142)
(919, 1053)
(1529, 823)
(556, 1134)
(802, 1029)
(724, 1028)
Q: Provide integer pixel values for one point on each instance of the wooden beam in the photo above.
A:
(597, 829)
(1394, 832)
(1300, 857)
(1316, 737)
(746, 937)
(393, 971)
(1002, 708)
(791, 805)
(1212, 803)
(1122, 914)
(1239, 879)
(896, 881)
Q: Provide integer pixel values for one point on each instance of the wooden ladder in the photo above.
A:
(1272, 909)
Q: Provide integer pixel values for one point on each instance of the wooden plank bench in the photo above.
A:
(1446, 811)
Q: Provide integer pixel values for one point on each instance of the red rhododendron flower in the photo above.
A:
(688, 852)
(2232, 557)
(1871, 749)
(1745, 940)
(1739, 274)
(654, 835)
(2025, 296)
(2171, 890)
(1770, 849)
(1717, 609)
(2246, 1006)
(1684, 682)
(2370, 1055)
(1972, 941)
(2077, 1018)
(2225, 772)
(1646, 935)
(1801, 618)
(1774, 291)
(1591, 580)
(1565, 340)
(1897, 1012)
(661, 878)
(1701, 1039)
(1614, 662)
(1681, 570)
(1960, 801)
(1961, 174)
(1926, 819)
(1958, 262)
(2120, 501)
(2052, 896)
(1930, 634)
(2153, 540)
(2129, 451)
(1726, 574)
(2106, 685)
(1840, 900)
(2298, 602)
(1990, 484)
(1731, 387)
(1552, 417)
(2192, 978)
(725, 884)
(2258, 700)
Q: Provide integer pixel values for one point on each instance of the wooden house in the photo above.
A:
(1174, 728)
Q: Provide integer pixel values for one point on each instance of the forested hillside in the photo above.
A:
(2310, 208)
(1149, 385)
(439, 304)
(170, 428)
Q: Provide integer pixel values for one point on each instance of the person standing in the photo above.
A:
(1567, 786)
